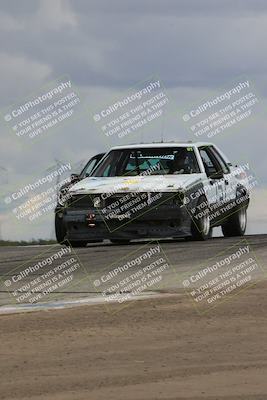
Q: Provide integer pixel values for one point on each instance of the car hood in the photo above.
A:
(156, 183)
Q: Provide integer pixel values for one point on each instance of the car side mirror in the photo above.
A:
(217, 175)
(74, 177)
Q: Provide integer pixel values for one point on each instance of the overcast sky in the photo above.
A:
(106, 47)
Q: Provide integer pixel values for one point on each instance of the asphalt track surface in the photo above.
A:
(95, 260)
(153, 349)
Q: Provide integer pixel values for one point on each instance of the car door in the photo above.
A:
(215, 187)
(229, 178)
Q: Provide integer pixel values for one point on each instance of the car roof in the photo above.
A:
(159, 145)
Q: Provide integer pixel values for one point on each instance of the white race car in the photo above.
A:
(158, 190)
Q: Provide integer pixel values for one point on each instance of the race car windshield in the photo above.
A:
(148, 161)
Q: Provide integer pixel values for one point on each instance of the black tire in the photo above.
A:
(78, 243)
(191, 238)
(120, 241)
(236, 224)
(60, 229)
(200, 227)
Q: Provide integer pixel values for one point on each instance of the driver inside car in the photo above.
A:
(180, 163)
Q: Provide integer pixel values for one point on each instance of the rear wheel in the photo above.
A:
(236, 224)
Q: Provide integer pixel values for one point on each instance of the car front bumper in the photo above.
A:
(162, 221)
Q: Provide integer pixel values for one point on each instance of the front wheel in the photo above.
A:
(60, 229)
(200, 227)
(236, 224)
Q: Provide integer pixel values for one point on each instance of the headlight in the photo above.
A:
(179, 199)
(62, 197)
(97, 202)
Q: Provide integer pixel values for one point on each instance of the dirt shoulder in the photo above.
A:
(152, 349)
